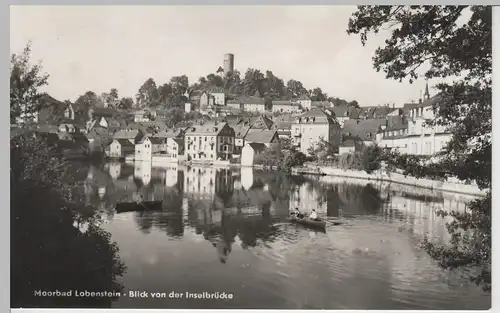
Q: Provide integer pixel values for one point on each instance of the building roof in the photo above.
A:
(253, 100)
(282, 125)
(351, 142)
(321, 104)
(315, 117)
(240, 130)
(261, 136)
(237, 101)
(103, 112)
(430, 102)
(126, 134)
(364, 129)
(283, 102)
(157, 140)
(261, 122)
(342, 111)
(396, 123)
(124, 142)
(256, 146)
(208, 128)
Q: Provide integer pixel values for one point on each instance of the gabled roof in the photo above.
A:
(315, 117)
(256, 146)
(124, 142)
(261, 136)
(430, 102)
(237, 101)
(126, 134)
(361, 128)
(156, 140)
(207, 128)
(262, 122)
(240, 130)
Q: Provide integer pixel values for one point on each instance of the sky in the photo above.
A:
(97, 48)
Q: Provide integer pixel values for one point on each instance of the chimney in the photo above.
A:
(393, 105)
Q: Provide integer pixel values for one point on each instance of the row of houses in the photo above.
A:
(205, 141)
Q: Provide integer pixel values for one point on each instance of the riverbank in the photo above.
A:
(451, 185)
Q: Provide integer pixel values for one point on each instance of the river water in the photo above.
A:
(226, 230)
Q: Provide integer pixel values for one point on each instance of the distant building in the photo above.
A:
(235, 104)
(254, 104)
(269, 138)
(423, 138)
(209, 141)
(143, 148)
(364, 130)
(286, 106)
(304, 101)
(188, 107)
(121, 148)
(250, 151)
(351, 145)
(313, 126)
(219, 95)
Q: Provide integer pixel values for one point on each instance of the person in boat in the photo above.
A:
(297, 213)
(313, 215)
(140, 201)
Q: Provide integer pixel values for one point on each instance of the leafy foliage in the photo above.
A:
(433, 37)
(50, 248)
(26, 80)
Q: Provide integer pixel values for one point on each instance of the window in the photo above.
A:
(211, 156)
(206, 138)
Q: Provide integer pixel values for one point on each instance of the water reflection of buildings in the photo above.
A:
(142, 171)
(418, 212)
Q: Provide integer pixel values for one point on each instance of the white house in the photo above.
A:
(424, 139)
(188, 107)
(304, 101)
(143, 149)
(254, 104)
(219, 96)
(250, 151)
(175, 149)
(121, 148)
(286, 106)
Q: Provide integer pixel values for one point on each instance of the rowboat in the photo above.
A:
(317, 224)
(132, 206)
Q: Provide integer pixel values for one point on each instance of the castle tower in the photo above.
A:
(228, 63)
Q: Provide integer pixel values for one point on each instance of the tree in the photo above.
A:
(148, 94)
(430, 36)
(253, 82)
(47, 215)
(112, 99)
(25, 81)
(126, 103)
(295, 87)
(318, 95)
(165, 92)
(353, 104)
(180, 85)
(214, 81)
(84, 103)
